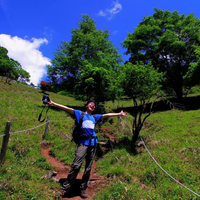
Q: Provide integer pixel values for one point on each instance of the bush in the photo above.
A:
(195, 89)
(65, 93)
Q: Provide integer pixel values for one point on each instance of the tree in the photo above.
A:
(141, 83)
(11, 68)
(192, 76)
(87, 65)
(24, 76)
(169, 41)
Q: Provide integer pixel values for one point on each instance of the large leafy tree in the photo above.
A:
(10, 68)
(141, 83)
(169, 41)
(87, 65)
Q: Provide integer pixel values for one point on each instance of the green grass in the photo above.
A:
(21, 174)
(172, 137)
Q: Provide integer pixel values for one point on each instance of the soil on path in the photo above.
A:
(62, 171)
(96, 181)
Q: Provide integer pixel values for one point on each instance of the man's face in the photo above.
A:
(91, 106)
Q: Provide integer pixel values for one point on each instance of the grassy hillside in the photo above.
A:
(172, 137)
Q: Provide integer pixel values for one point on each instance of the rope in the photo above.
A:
(163, 169)
(2, 135)
(58, 121)
(3, 132)
(140, 138)
(167, 172)
(11, 133)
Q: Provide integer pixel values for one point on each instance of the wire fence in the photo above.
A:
(7, 134)
(11, 133)
(2, 135)
(161, 167)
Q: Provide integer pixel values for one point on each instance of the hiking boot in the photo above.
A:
(84, 194)
(62, 192)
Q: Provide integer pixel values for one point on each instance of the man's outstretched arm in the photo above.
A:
(122, 113)
(68, 109)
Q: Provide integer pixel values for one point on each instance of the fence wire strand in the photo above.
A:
(166, 171)
(163, 169)
(2, 135)
(58, 121)
(11, 133)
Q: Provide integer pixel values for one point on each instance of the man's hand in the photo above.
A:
(50, 102)
(122, 113)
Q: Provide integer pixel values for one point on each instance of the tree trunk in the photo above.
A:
(179, 92)
(177, 85)
(134, 138)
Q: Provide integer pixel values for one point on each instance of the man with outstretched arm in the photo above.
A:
(86, 148)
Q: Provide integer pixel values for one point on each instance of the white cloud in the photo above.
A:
(48, 33)
(115, 32)
(116, 8)
(27, 53)
(101, 13)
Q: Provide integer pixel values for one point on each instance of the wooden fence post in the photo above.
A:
(46, 129)
(5, 143)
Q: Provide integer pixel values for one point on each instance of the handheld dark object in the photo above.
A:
(45, 100)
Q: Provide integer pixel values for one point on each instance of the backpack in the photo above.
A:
(78, 135)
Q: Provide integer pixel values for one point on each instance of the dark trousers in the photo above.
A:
(82, 152)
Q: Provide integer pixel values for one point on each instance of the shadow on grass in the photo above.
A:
(191, 103)
(43, 92)
(124, 143)
(187, 103)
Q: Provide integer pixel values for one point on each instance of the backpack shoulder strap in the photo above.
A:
(95, 117)
(81, 117)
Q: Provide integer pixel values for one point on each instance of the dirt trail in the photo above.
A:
(62, 171)
(96, 181)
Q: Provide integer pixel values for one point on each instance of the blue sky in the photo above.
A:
(32, 30)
